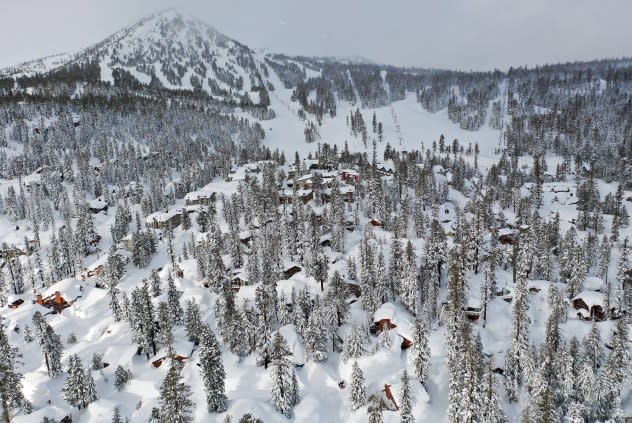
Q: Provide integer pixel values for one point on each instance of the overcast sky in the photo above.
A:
(463, 34)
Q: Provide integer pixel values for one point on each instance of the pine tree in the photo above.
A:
(121, 377)
(355, 343)
(116, 416)
(421, 351)
(79, 389)
(519, 341)
(155, 283)
(175, 398)
(337, 297)
(165, 329)
(212, 371)
(358, 389)
(593, 351)
(491, 407)
(193, 321)
(315, 335)
(173, 300)
(281, 378)
(50, 344)
(405, 400)
(11, 397)
(376, 408)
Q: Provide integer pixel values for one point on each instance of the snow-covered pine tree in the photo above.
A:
(376, 408)
(281, 394)
(79, 388)
(519, 341)
(593, 351)
(336, 297)
(50, 343)
(154, 279)
(491, 407)
(405, 400)
(116, 416)
(358, 388)
(165, 328)
(355, 343)
(488, 285)
(192, 321)
(175, 401)
(315, 335)
(421, 351)
(121, 377)
(173, 300)
(212, 370)
(141, 319)
(11, 397)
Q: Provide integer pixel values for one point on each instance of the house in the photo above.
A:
(347, 192)
(507, 237)
(386, 168)
(11, 252)
(97, 206)
(589, 305)
(55, 301)
(305, 195)
(505, 294)
(203, 197)
(89, 273)
(305, 182)
(376, 223)
(239, 280)
(349, 176)
(169, 219)
(245, 237)
(179, 358)
(388, 316)
(472, 311)
(291, 270)
(17, 303)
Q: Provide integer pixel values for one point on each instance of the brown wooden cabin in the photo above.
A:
(179, 358)
(507, 240)
(55, 301)
(406, 343)
(203, 198)
(89, 273)
(391, 403)
(168, 220)
(17, 303)
(376, 223)
(472, 313)
(291, 271)
(595, 312)
(378, 327)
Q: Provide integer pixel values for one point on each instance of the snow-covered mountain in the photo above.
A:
(176, 51)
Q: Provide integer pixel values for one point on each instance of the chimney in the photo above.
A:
(58, 299)
(39, 300)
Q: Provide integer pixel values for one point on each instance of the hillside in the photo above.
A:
(193, 231)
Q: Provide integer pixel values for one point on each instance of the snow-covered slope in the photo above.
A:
(178, 52)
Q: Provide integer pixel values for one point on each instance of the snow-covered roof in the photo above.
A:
(591, 298)
(162, 216)
(97, 204)
(398, 316)
(201, 193)
(350, 172)
(387, 165)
